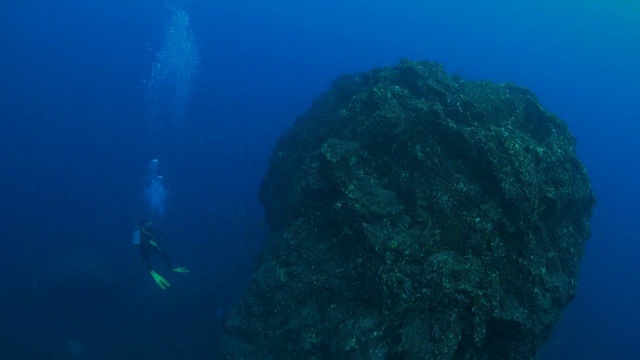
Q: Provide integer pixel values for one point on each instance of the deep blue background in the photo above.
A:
(74, 147)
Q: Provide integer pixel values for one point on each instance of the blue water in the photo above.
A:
(91, 91)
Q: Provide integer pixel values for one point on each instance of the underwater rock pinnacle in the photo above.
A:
(416, 215)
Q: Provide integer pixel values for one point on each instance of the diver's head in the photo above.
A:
(145, 224)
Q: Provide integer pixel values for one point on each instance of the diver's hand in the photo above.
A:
(181, 270)
(160, 280)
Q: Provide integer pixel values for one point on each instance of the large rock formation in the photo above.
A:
(416, 215)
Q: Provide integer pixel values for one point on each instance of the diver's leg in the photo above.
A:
(144, 255)
(165, 258)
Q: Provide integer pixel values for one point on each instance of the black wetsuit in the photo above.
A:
(146, 247)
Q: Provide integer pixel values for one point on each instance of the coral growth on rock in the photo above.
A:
(416, 215)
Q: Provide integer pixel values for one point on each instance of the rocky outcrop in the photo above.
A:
(416, 215)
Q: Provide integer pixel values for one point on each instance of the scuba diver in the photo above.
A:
(146, 238)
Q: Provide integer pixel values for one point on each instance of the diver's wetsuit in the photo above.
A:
(146, 247)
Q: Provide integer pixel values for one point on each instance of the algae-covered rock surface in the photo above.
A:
(416, 215)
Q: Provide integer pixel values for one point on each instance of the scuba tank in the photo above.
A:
(136, 237)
